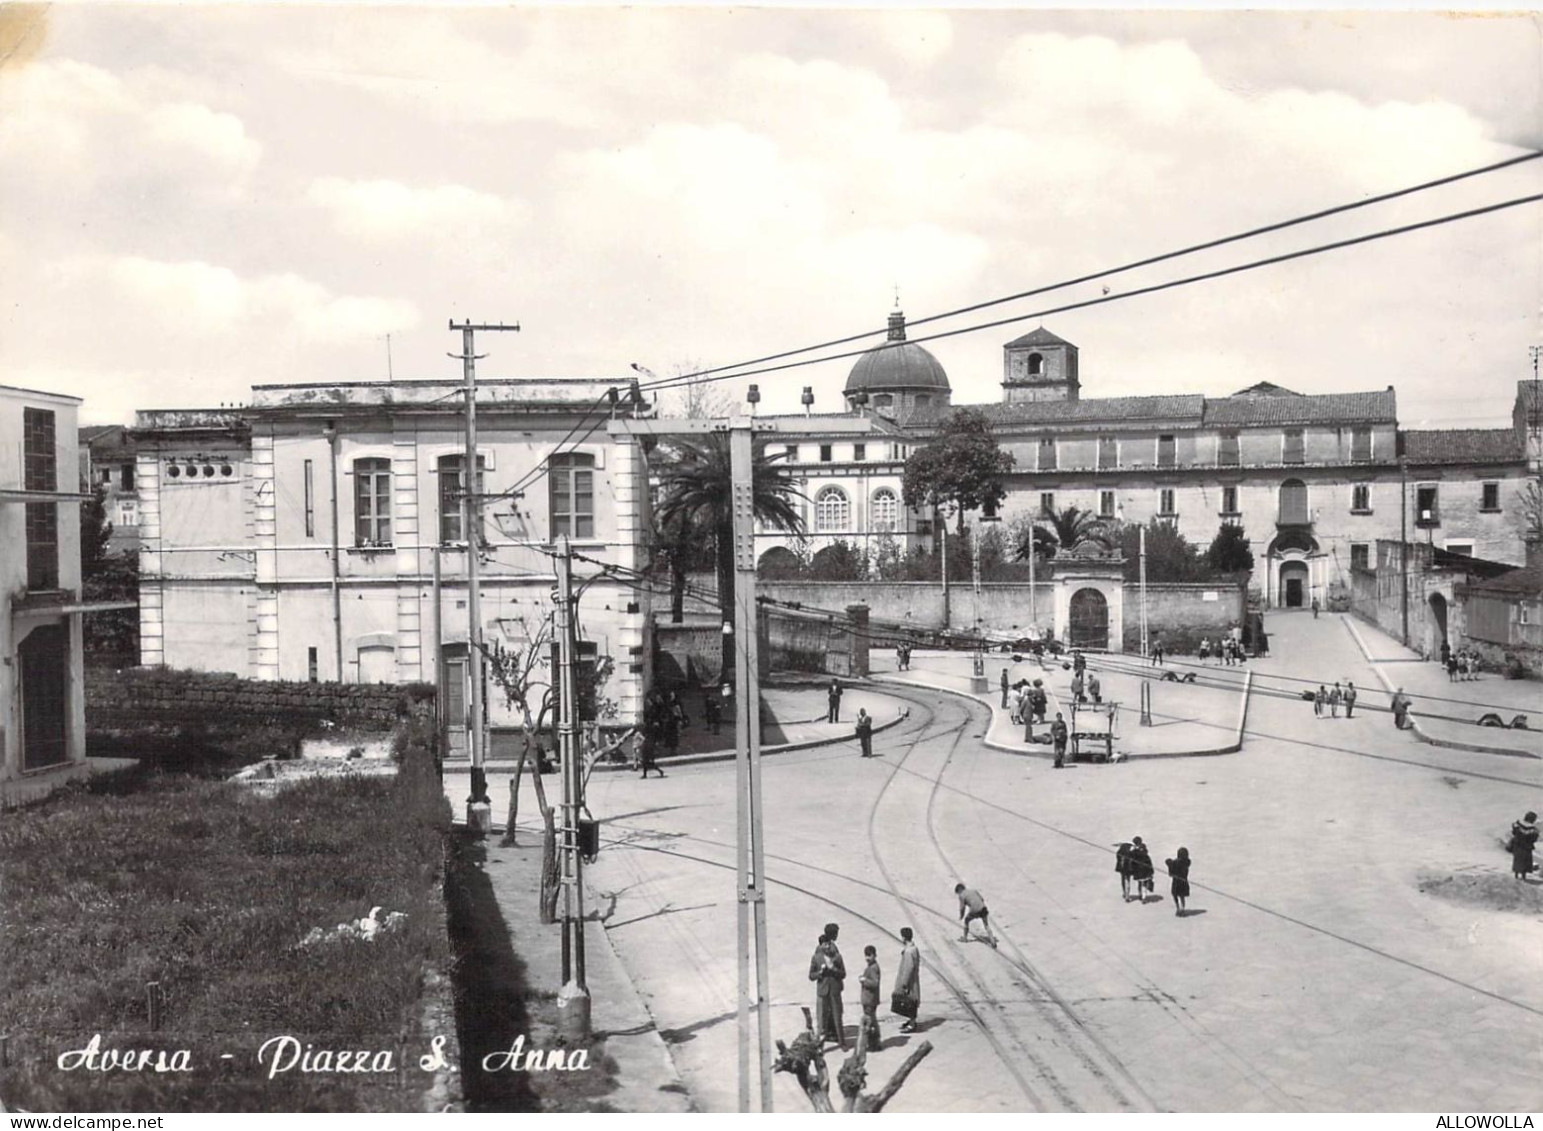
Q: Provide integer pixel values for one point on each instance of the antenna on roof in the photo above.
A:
(897, 295)
(389, 375)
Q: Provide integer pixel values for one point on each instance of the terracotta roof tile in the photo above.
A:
(1462, 445)
(1327, 408)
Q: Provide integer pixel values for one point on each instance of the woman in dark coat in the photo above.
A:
(1524, 836)
(1122, 866)
(1141, 867)
(1178, 872)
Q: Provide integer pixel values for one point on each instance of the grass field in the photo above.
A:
(209, 889)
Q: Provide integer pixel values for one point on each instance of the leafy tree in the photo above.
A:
(840, 561)
(960, 470)
(95, 533)
(696, 492)
(1229, 552)
(1170, 556)
(111, 637)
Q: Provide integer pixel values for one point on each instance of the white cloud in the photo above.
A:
(382, 209)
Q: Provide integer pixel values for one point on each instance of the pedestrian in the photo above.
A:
(1350, 694)
(1157, 651)
(1524, 835)
(1028, 718)
(678, 709)
(1453, 663)
(828, 973)
(1320, 700)
(865, 732)
(870, 980)
(1204, 651)
(1058, 737)
(833, 700)
(1005, 686)
(906, 999)
(671, 724)
(972, 906)
(1079, 663)
(1334, 697)
(1094, 688)
(1141, 868)
(1315, 608)
(1041, 701)
(712, 709)
(1178, 872)
(647, 754)
(1400, 706)
(1122, 867)
(1473, 665)
(1077, 694)
(1446, 653)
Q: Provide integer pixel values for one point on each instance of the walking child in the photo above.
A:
(1350, 694)
(1178, 872)
(1141, 868)
(1334, 697)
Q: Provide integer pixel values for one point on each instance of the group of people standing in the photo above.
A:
(1133, 863)
(1463, 664)
(828, 972)
(1326, 701)
(1228, 649)
(903, 656)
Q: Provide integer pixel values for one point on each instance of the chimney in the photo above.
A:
(808, 399)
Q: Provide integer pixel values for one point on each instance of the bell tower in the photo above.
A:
(1039, 367)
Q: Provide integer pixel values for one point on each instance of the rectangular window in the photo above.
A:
(1361, 498)
(1166, 503)
(40, 473)
(1165, 451)
(1292, 448)
(310, 656)
(1108, 452)
(859, 451)
(1047, 453)
(1229, 500)
(1361, 444)
(1047, 502)
(452, 498)
(1463, 548)
(1360, 556)
(1426, 509)
(572, 479)
(126, 477)
(1489, 497)
(1227, 450)
(1106, 504)
(310, 502)
(825, 453)
(790, 453)
(372, 502)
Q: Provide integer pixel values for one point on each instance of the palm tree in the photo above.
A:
(696, 493)
(1062, 530)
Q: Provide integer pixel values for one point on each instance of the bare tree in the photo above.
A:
(805, 1059)
(700, 400)
(521, 675)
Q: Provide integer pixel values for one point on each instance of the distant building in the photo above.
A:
(305, 536)
(113, 466)
(42, 688)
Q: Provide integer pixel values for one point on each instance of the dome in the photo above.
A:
(891, 366)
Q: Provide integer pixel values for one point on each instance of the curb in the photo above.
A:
(1231, 748)
(1414, 726)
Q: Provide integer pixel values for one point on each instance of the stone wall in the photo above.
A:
(1183, 614)
(834, 642)
(226, 714)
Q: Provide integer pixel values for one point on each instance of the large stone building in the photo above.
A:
(318, 533)
(1314, 480)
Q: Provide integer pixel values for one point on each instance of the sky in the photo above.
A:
(195, 199)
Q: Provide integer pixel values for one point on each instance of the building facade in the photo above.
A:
(42, 681)
(113, 464)
(319, 533)
(1314, 481)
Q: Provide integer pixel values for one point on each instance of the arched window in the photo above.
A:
(1293, 502)
(832, 510)
(1036, 364)
(372, 502)
(886, 509)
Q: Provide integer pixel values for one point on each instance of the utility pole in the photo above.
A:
(573, 998)
(479, 807)
(1403, 544)
(1142, 553)
(747, 728)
